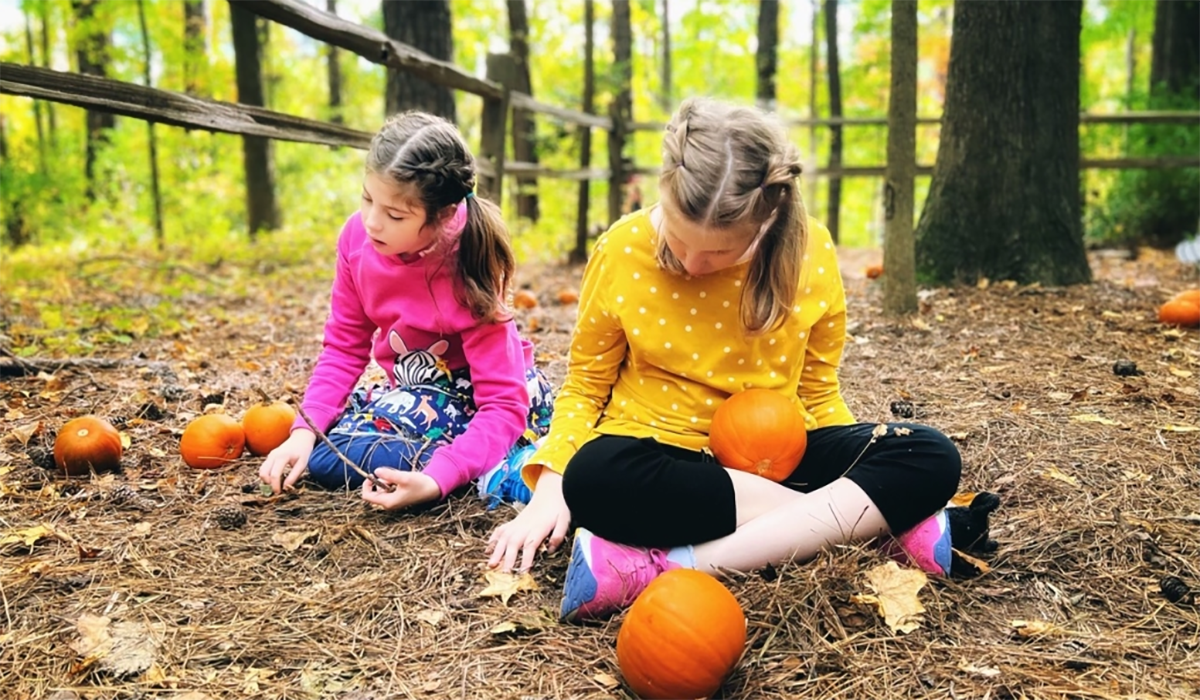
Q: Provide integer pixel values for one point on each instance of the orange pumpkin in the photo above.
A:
(87, 444)
(568, 296)
(874, 271)
(525, 299)
(1191, 296)
(267, 426)
(1179, 312)
(681, 637)
(212, 441)
(759, 431)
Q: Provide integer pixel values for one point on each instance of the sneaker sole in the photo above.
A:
(579, 589)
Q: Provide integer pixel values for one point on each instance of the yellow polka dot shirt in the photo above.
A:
(654, 353)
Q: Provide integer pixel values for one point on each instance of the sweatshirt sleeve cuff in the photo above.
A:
(443, 470)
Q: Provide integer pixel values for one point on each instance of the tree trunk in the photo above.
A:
(1004, 200)
(195, 48)
(262, 209)
(810, 190)
(15, 232)
(767, 55)
(833, 216)
(621, 109)
(159, 236)
(1175, 53)
(44, 8)
(523, 126)
(580, 253)
(37, 104)
(665, 98)
(335, 74)
(900, 277)
(92, 53)
(424, 25)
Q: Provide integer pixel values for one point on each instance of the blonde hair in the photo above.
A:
(732, 167)
(427, 152)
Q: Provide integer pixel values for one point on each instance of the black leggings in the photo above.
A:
(640, 492)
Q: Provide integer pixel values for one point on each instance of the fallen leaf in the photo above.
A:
(24, 432)
(981, 566)
(142, 529)
(504, 627)
(431, 686)
(1054, 473)
(1174, 428)
(1059, 396)
(432, 617)
(1133, 475)
(506, 585)
(1113, 315)
(1093, 418)
(985, 671)
(963, 500)
(921, 325)
(879, 431)
(122, 649)
(1190, 517)
(902, 431)
(291, 541)
(1036, 628)
(895, 595)
(28, 536)
(126, 441)
(1183, 373)
(606, 681)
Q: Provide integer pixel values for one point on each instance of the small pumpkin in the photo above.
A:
(267, 426)
(759, 431)
(682, 636)
(874, 271)
(525, 299)
(568, 296)
(87, 444)
(212, 441)
(1191, 296)
(1179, 312)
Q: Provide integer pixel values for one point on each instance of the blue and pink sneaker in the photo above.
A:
(604, 577)
(503, 483)
(927, 545)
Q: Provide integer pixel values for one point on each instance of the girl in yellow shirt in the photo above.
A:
(724, 285)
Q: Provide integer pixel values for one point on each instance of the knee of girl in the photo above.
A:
(945, 462)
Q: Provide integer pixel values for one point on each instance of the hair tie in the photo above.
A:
(469, 195)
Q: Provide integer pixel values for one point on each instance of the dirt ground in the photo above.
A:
(129, 585)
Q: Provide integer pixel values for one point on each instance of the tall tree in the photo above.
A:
(44, 11)
(767, 54)
(37, 104)
(335, 73)
(159, 236)
(424, 25)
(15, 232)
(621, 109)
(1175, 49)
(195, 48)
(900, 280)
(523, 125)
(262, 208)
(1004, 201)
(665, 98)
(92, 48)
(834, 213)
(580, 253)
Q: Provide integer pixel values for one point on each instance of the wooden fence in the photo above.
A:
(499, 99)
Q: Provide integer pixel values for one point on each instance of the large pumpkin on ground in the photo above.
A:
(1179, 312)
(212, 441)
(759, 431)
(681, 637)
(86, 444)
(267, 426)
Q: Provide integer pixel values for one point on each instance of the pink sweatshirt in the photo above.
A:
(376, 296)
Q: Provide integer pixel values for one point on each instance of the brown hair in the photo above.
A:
(427, 152)
(733, 167)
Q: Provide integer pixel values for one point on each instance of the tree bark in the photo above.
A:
(92, 53)
(523, 125)
(262, 209)
(900, 277)
(580, 253)
(767, 54)
(621, 108)
(1175, 52)
(44, 8)
(665, 98)
(833, 217)
(37, 104)
(1004, 201)
(335, 74)
(159, 236)
(424, 25)
(15, 232)
(195, 48)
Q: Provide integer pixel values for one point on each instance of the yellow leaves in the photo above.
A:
(430, 617)
(23, 433)
(506, 585)
(122, 649)
(293, 540)
(1181, 373)
(1177, 428)
(27, 537)
(1095, 418)
(895, 595)
(1036, 628)
(1053, 472)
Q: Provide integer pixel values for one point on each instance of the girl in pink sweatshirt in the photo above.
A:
(421, 283)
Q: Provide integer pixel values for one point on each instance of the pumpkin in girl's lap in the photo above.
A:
(759, 431)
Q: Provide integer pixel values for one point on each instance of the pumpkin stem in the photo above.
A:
(265, 398)
(762, 467)
(82, 432)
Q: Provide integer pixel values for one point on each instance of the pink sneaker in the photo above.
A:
(604, 577)
(927, 545)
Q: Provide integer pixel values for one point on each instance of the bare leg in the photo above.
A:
(756, 496)
(797, 527)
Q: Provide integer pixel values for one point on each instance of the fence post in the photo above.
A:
(616, 163)
(494, 128)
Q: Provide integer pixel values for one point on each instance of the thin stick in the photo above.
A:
(321, 434)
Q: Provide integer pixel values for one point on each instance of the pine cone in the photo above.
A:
(1175, 590)
(41, 456)
(229, 517)
(126, 496)
(903, 409)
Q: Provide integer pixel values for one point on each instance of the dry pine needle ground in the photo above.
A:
(196, 586)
